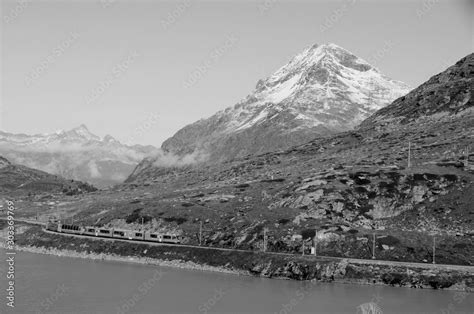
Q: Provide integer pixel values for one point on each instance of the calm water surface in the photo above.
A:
(50, 284)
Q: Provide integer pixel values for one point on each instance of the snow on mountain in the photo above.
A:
(319, 76)
(75, 154)
(323, 90)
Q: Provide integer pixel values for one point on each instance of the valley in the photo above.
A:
(398, 186)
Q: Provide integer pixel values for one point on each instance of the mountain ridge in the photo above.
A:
(446, 92)
(75, 154)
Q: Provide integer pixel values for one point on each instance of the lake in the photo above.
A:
(51, 284)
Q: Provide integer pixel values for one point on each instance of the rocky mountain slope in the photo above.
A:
(323, 90)
(75, 154)
(20, 180)
(447, 93)
(346, 186)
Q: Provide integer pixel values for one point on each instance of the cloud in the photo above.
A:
(74, 149)
(167, 159)
(94, 170)
(118, 177)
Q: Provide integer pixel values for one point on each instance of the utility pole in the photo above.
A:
(409, 154)
(315, 241)
(466, 160)
(373, 247)
(200, 233)
(303, 246)
(434, 249)
(143, 229)
(264, 239)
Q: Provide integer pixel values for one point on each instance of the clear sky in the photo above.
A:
(118, 65)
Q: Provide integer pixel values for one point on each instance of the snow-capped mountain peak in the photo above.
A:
(81, 132)
(331, 70)
(322, 90)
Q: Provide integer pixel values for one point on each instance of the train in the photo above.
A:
(114, 233)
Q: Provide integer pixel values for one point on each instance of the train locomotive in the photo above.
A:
(114, 233)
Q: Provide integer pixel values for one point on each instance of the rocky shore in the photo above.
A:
(125, 259)
(278, 266)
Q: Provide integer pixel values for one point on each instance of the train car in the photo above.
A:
(153, 237)
(75, 229)
(170, 238)
(104, 232)
(137, 235)
(114, 233)
(52, 226)
(91, 231)
(121, 234)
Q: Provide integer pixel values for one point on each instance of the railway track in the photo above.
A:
(466, 268)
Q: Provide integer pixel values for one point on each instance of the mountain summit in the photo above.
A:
(323, 90)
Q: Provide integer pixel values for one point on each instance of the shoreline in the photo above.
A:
(177, 264)
(245, 263)
(188, 265)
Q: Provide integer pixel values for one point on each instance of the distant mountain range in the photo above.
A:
(75, 154)
(19, 180)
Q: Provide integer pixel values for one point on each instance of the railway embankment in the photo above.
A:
(281, 266)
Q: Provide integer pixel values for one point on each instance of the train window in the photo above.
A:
(138, 234)
(104, 231)
(166, 237)
(153, 236)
